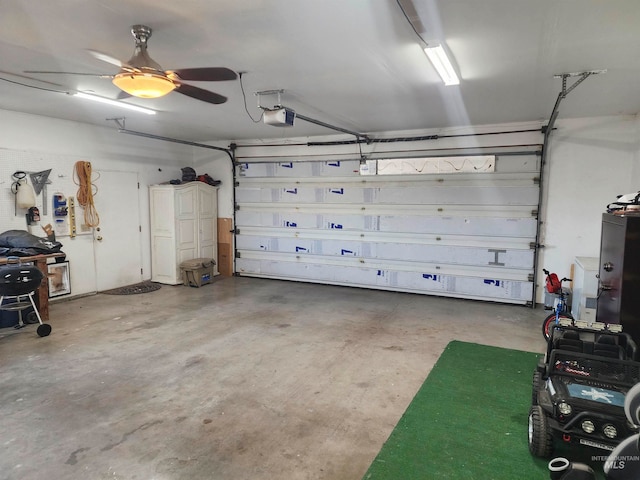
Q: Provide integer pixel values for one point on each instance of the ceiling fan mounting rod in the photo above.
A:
(141, 33)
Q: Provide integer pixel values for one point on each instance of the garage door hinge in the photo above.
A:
(237, 254)
(534, 213)
(235, 231)
(237, 184)
(529, 304)
(236, 207)
(536, 180)
(534, 245)
(530, 277)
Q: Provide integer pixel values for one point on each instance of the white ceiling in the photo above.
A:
(355, 64)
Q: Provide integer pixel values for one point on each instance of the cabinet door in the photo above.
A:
(163, 235)
(186, 223)
(612, 247)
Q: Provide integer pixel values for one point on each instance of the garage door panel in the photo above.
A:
(387, 237)
(482, 179)
(508, 227)
(498, 195)
(482, 271)
(479, 256)
(492, 289)
(445, 225)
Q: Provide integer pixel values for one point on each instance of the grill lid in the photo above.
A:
(19, 279)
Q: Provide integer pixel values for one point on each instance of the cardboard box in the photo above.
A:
(225, 251)
(225, 259)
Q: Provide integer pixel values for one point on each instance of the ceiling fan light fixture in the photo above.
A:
(144, 84)
(442, 64)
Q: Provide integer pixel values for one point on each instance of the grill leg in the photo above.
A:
(35, 309)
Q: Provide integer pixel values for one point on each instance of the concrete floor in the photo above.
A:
(241, 379)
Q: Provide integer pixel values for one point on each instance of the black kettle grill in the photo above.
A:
(19, 282)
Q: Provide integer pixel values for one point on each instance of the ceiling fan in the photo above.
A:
(142, 77)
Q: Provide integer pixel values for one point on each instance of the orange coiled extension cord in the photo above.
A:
(86, 190)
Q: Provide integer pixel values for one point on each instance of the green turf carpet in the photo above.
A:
(467, 421)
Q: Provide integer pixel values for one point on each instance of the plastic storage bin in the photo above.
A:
(197, 272)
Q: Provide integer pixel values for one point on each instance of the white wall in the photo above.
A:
(590, 162)
(635, 173)
(35, 143)
(219, 166)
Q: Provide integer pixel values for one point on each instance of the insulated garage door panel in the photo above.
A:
(466, 235)
(428, 282)
(445, 254)
(489, 195)
(447, 225)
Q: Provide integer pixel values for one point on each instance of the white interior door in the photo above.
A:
(117, 240)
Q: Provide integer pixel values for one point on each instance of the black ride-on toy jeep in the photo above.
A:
(579, 388)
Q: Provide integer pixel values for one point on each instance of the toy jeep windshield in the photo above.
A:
(579, 389)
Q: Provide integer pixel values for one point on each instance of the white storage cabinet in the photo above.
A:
(183, 227)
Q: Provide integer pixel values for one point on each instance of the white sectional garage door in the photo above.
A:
(465, 234)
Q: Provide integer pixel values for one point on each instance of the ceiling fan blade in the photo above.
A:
(210, 74)
(3, 72)
(105, 58)
(99, 75)
(113, 61)
(200, 94)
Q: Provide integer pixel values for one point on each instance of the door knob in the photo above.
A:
(608, 266)
(99, 238)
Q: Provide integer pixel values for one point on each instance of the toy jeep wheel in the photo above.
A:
(536, 385)
(540, 439)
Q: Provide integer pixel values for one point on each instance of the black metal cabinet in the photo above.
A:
(619, 292)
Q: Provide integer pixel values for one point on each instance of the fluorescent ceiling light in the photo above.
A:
(442, 64)
(114, 103)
